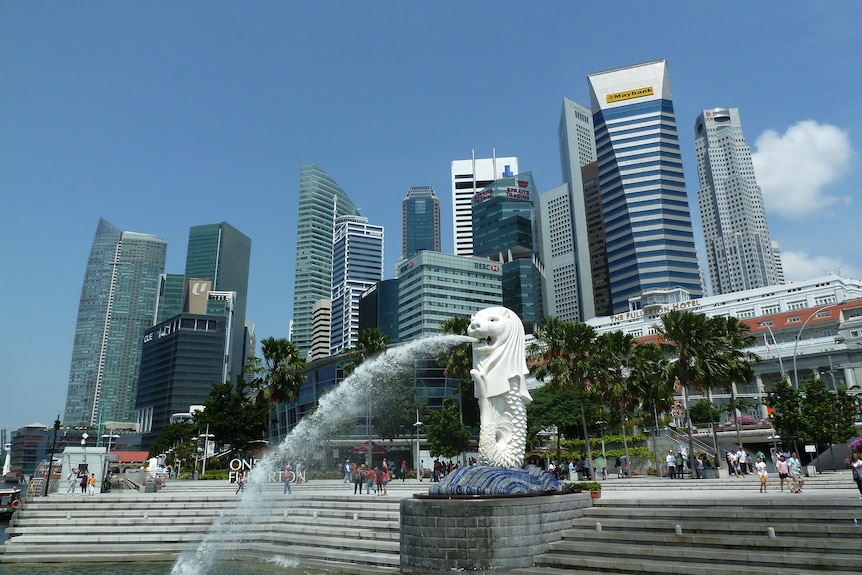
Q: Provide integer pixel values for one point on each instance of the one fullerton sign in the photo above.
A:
(629, 94)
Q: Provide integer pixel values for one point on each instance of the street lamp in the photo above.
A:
(601, 423)
(778, 351)
(51, 459)
(206, 437)
(417, 425)
(799, 335)
(84, 437)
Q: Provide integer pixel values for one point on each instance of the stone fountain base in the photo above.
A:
(483, 532)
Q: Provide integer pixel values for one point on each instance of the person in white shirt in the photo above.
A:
(760, 468)
(671, 464)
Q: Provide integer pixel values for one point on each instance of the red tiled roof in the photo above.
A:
(132, 456)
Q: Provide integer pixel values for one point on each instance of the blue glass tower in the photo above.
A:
(420, 219)
(117, 306)
(647, 221)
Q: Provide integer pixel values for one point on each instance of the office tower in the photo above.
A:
(321, 200)
(503, 231)
(420, 221)
(468, 177)
(321, 329)
(599, 274)
(779, 267)
(650, 242)
(220, 253)
(433, 287)
(357, 264)
(172, 290)
(738, 246)
(117, 305)
(181, 360)
(378, 309)
(563, 222)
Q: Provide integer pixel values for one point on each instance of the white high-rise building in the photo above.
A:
(739, 251)
(357, 264)
(563, 222)
(468, 177)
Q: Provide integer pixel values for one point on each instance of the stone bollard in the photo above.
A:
(677, 529)
(598, 527)
(770, 532)
(356, 516)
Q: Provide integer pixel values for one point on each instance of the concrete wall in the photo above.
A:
(442, 534)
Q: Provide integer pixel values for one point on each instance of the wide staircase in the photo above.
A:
(691, 532)
(356, 534)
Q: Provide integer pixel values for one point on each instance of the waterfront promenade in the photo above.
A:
(323, 523)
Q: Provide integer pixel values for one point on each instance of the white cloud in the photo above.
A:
(794, 168)
(800, 266)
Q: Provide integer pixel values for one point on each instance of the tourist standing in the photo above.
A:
(671, 464)
(240, 482)
(856, 466)
(760, 466)
(403, 470)
(346, 471)
(72, 478)
(358, 478)
(84, 482)
(370, 479)
(91, 484)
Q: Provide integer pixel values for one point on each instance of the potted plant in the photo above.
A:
(594, 487)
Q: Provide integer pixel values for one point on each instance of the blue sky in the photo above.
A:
(159, 116)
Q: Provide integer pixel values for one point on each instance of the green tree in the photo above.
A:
(446, 436)
(615, 352)
(784, 410)
(564, 354)
(649, 385)
(458, 361)
(232, 417)
(555, 407)
(370, 343)
(704, 412)
(279, 377)
(172, 436)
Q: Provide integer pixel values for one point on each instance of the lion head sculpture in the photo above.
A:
(498, 352)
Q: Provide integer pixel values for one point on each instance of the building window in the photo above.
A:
(794, 319)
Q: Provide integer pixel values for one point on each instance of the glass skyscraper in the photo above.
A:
(117, 306)
(321, 200)
(504, 231)
(739, 252)
(221, 253)
(357, 264)
(420, 221)
(647, 221)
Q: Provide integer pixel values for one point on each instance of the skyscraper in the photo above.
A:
(117, 305)
(503, 231)
(220, 253)
(739, 251)
(321, 200)
(357, 264)
(563, 222)
(468, 177)
(420, 221)
(647, 222)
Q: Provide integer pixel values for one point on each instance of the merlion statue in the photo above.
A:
(499, 367)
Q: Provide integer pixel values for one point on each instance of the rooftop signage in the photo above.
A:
(629, 94)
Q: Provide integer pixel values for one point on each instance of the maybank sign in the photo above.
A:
(629, 94)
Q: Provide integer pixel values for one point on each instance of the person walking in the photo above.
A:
(403, 470)
(760, 467)
(91, 484)
(240, 483)
(856, 466)
(796, 472)
(783, 473)
(370, 479)
(286, 477)
(346, 471)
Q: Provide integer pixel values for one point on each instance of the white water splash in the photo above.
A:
(343, 404)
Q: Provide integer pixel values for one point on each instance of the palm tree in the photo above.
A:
(649, 385)
(281, 374)
(615, 352)
(457, 363)
(565, 354)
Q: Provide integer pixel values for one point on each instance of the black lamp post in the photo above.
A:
(51, 459)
